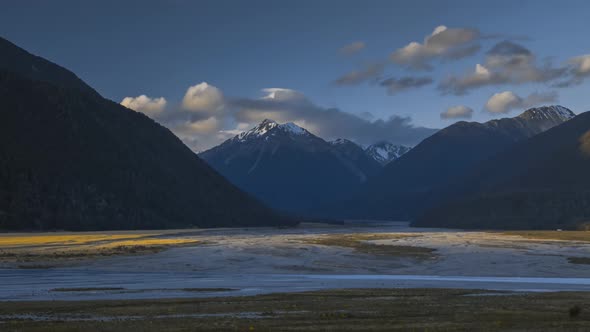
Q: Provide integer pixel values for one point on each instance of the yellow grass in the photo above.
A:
(147, 242)
(51, 249)
(62, 239)
(553, 235)
(362, 243)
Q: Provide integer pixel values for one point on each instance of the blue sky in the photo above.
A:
(161, 48)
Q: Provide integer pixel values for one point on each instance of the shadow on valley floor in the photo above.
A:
(336, 310)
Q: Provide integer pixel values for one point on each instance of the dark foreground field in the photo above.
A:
(369, 310)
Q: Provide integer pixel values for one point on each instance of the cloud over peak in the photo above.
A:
(507, 101)
(287, 105)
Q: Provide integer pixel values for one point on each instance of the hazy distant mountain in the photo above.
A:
(70, 159)
(410, 183)
(385, 152)
(542, 182)
(357, 155)
(288, 167)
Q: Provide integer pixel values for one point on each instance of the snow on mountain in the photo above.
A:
(340, 141)
(554, 112)
(289, 168)
(386, 152)
(267, 127)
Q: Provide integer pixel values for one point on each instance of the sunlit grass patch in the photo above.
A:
(553, 235)
(45, 239)
(68, 247)
(362, 243)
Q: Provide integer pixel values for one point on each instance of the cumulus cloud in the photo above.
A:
(442, 43)
(285, 105)
(457, 112)
(203, 98)
(395, 85)
(507, 101)
(197, 121)
(151, 107)
(506, 63)
(352, 48)
(355, 77)
(206, 118)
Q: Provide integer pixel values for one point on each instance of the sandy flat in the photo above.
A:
(458, 253)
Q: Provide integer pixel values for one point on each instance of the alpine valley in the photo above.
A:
(293, 170)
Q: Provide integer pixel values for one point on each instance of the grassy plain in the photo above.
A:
(336, 310)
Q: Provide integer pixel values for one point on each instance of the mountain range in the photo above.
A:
(290, 168)
(420, 178)
(71, 159)
(539, 183)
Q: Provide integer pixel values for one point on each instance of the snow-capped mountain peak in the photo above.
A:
(386, 152)
(292, 128)
(268, 127)
(553, 112)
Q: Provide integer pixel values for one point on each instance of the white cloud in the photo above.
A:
(443, 42)
(203, 98)
(507, 101)
(457, 112)
(282, 94)
(503, 102)
(152, 107)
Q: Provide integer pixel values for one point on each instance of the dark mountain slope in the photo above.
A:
(70, 159)
(287, 167)
(15, 59)
(540, 183)
(406, 185)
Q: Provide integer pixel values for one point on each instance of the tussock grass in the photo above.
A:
(26, 251)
